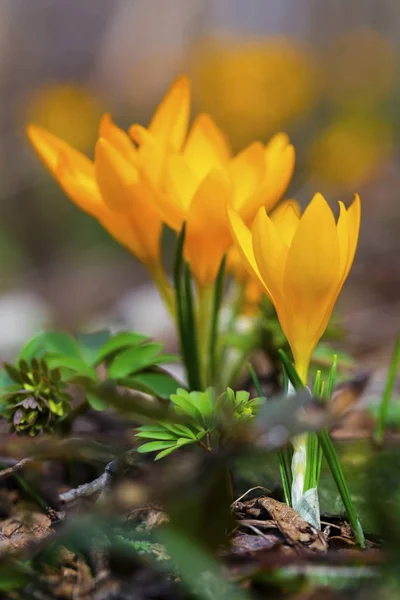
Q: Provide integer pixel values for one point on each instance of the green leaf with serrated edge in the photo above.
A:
(156, 383)
(71, 367)
(119, 342)
(154, 446)
(92, 343)
(132, 360)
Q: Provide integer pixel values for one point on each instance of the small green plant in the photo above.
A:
(36, 399)
(33, 390)
(196, 418)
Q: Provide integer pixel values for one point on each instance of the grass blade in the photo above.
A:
(185, 314)
(212, 342)
(332, 459)
(190, 333)
(291, 372)
(390, 381)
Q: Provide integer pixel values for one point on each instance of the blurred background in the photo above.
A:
(324, 71)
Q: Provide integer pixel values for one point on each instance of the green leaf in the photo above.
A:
(133, 359)
(186, 404)
(96, 401)
(206, 404)
(57, 342)
(159, 384)
(118, 342)
(180, 430)
(71, 367)
(92, 343)
(156, 435)
(154, 446)
(166, 452)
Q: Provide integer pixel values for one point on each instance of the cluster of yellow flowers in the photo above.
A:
(169, 174)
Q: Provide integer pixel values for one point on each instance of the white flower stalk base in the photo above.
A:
(306, 503)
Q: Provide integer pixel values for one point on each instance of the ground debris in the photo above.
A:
(17, 532)
(267, 513)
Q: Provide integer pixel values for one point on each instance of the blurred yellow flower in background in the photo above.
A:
(351, 150)
(253, 87)
(68, 111)
(302, 263)
(111, 188)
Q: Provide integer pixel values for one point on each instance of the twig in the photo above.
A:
(17, 467)
(105, 482)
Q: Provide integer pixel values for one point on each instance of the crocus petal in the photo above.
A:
(170, 121)
(343, 239)
(247, 170)
(125, 193)
(286, 219)
(80, 188)
(270, 253)
(279, 165)
(242, 239)
(114, 175)
(49, 146)
(311, 276)
(117, 137)
(207, 232)
(206, 147)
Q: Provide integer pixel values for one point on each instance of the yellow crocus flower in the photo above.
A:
(302, 263)
(111, 188)
(202, 180)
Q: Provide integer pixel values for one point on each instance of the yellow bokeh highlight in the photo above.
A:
(360, 68)
(252, 88)
(351, 150)
(67, 110)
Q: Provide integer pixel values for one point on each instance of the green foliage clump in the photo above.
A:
(197, 418)
(36, 400)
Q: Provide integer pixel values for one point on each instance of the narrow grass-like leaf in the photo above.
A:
(390, 381)
(331, 379)
(332, 459)
(185, 315)
(193, 365)
(291, 372)
(213, 339)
